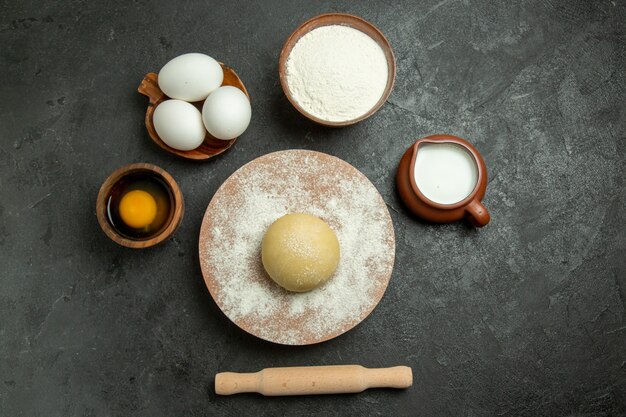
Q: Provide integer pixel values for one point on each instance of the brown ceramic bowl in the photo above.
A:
(345, 20)
(470, 207)
(176, 215)
(211, 146)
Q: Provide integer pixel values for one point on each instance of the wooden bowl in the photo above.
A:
(344, 20)
(176, 215)
(211, 146)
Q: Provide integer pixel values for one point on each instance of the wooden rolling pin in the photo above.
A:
(310, 380)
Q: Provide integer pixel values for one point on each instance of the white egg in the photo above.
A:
(179, 124)
(190, 77)
(226, 113)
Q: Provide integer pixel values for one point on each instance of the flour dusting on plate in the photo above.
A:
(296, 182)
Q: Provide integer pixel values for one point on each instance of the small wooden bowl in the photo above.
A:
(176, 215)
(344, 20)
(211, 146)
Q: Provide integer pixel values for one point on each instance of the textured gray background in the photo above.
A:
(523, 318)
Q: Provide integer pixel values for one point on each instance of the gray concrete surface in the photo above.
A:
(523, 318)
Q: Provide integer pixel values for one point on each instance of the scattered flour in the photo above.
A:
(336, 73)
(296, 182)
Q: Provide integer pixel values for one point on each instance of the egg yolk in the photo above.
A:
(138, 209)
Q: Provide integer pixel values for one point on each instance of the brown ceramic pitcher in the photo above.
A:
(470, 207)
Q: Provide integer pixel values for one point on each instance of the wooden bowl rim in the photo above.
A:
(193, 154)
(329, 19)
(101, 205)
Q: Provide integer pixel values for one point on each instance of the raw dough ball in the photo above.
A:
(300, 252)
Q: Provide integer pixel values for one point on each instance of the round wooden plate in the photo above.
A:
(296, 181)
(211, 146)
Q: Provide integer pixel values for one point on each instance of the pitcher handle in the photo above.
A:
(477, 213)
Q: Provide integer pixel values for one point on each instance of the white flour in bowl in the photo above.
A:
(336, 73)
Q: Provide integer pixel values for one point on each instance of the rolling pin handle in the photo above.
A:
(394, 377)
(228, 383)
